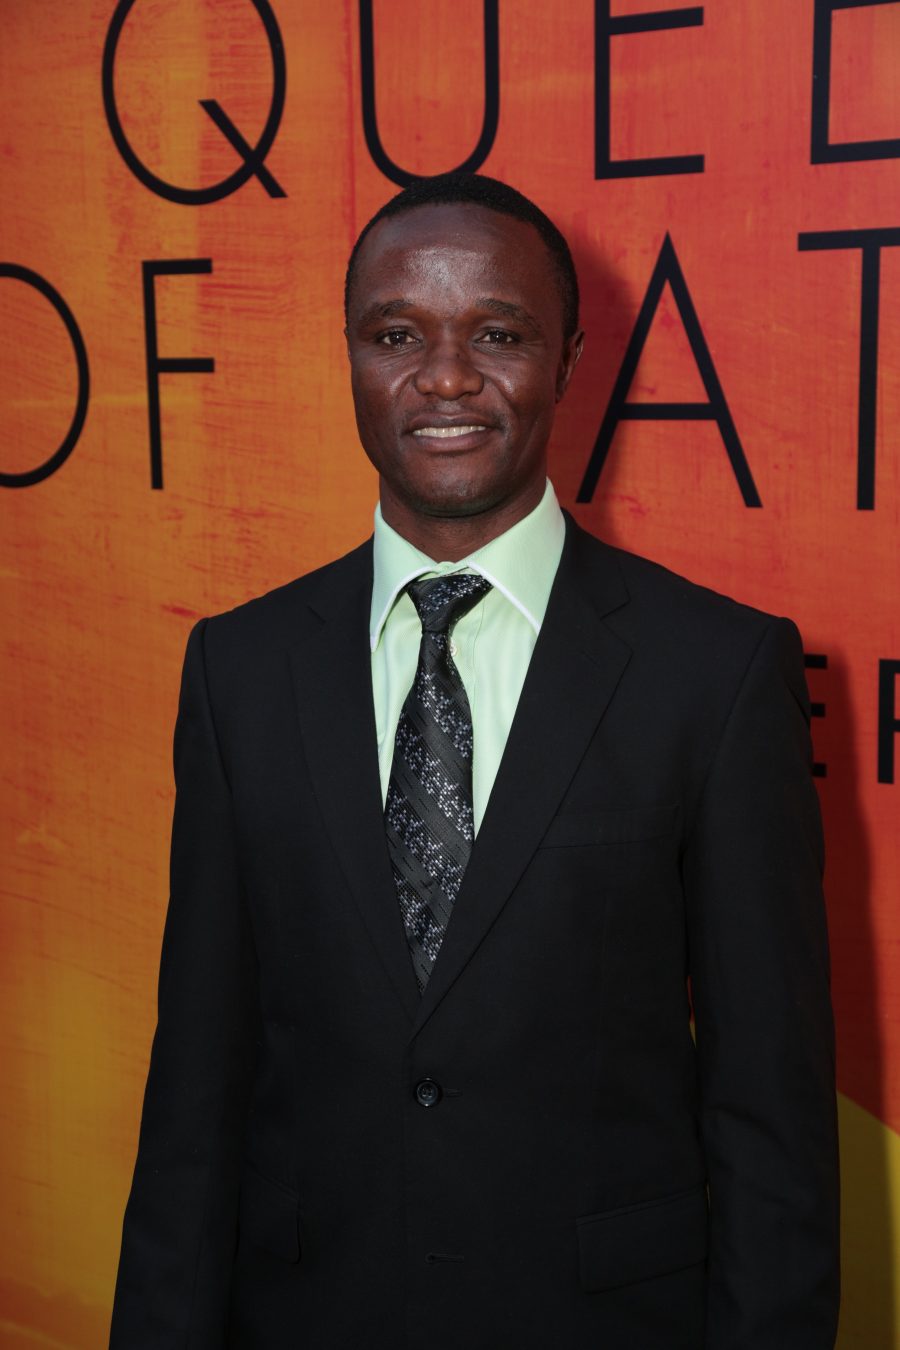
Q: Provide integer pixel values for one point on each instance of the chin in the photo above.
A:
(448, 502)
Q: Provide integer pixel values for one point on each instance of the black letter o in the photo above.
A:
(70, 440)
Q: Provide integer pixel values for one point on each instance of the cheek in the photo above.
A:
(532, 400)
(372, 396)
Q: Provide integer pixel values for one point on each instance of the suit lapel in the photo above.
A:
(332, 677)
(576, 665)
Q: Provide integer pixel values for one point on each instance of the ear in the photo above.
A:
(347, 340)
(571, 355)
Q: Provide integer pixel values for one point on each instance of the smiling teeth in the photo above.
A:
(447, 431)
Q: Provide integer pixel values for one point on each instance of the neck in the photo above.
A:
(450, 538)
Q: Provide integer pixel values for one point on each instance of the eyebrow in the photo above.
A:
(385, 311)
(504, 308)
(507, 310)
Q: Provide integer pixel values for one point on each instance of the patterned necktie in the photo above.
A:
(428, 811)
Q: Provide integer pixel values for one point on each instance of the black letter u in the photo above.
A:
(491, 96)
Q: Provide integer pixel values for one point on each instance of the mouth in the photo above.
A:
(449, 433)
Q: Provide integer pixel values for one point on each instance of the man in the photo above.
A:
(467, 823)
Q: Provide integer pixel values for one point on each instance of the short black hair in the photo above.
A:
(479, 190)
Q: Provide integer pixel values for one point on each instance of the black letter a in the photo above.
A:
(668, 269)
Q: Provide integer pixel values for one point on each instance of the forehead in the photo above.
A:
(449, 250)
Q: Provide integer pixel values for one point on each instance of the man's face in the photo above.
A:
(457, 360)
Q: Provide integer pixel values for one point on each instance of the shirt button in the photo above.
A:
(428, 1092)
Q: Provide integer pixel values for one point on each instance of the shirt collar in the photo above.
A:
(520, 563)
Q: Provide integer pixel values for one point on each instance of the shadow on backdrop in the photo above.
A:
(870, 1224)
(870, 1263)
(608, 312)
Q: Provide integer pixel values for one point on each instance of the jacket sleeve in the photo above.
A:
(180, 1225)
(759, 970)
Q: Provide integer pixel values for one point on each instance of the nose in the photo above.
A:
(447, 371)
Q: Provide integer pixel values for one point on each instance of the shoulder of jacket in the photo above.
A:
(658, 589)
(278, 612)
(695, 638)
(689, 630)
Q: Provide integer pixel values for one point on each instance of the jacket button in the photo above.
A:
(428, 1092)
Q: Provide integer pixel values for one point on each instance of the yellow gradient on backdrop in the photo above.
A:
(870, 1231)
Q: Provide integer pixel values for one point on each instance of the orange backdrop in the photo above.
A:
(103, 571)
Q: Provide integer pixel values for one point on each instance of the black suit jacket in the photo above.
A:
(588, 1177)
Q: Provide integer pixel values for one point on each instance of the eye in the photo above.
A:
(395, 337)
(499, 337)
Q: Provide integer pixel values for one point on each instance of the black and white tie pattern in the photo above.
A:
(428, 811)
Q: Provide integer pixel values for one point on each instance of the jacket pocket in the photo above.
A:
(576, 826)
(636, 1243)
(269, 1215)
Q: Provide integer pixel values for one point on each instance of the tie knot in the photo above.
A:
(440, 601)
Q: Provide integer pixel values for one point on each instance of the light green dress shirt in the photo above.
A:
(491, 645)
